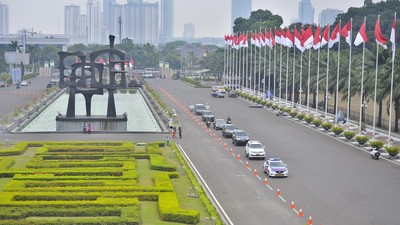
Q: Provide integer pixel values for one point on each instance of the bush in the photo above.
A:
(287, 110)
(300, 116)
(361, 139)
(392, 150)
(337, 130)
(309, 118)
(327, 126)
(349, 134)
(293, 113)
(376, 144)
(274, 106)
(317, 122)
(268, 104)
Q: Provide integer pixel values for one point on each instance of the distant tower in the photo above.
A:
(306, 12)
(189, 30)
(71, 20)
(107, 4)
(240, 8)
(4, 19)
(93, 21)
(328, 16)
(167, 20)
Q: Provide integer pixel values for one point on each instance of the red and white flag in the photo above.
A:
(346, 32)
(244, 41)
(335, 36)
(325, 37)
(393, 35)
(298, 40)
(131, 63)
(289, 39)
(76, 59)
(317, 38)
(257, 40)
(380, 39)
(283, 38)
(102, 61)
(277, 36)
(308, 38)
(268, 40)
(263, 40)
(361, 36)
(253, 39)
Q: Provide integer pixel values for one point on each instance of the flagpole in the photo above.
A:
(391, 82)
(259, 66)
(308, 79)
(294, 69)
(269, 67)
(301, 77)
(272, 44)
(265, 62)
(247, 64)
(251, 62)
(327, 78)
(337, 78)
(376, 84)
(287, 73)
(255, 63)
(243, 61)
(280, 71)
(225, 47)
(349, 80)
(362, 84)
(317, 88)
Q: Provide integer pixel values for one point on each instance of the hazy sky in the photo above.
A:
(211, 17)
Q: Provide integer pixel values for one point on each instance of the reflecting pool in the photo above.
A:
(140, 117)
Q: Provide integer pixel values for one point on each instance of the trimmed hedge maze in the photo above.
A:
(91, 183)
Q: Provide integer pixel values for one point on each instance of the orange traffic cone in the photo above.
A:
(278, 192)
(300, 212)
(255, 172)
(225, 145)
(238, 157)
(292, 205)
(247, 164)
(309, 220)
(265, 181)
(219, 140)
(231, 151)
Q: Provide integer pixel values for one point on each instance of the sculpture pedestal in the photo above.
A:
(98, 123)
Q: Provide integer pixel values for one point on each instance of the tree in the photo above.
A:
(260, 19)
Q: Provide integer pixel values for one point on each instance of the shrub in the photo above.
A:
(376, 144)
(274, 106)
(317, 122)
(287, 109)
(349, 134)
(327, 126)
(300, 116)
(361, 139)
(308, 118)
(392, 150)
(337, 130)
(263, 102)
(293, 113)
(268, 104)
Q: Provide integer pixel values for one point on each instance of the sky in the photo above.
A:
(211, 17)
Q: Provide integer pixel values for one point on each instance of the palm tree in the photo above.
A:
(14, 45)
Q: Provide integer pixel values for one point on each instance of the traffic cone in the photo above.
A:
(278, 192)
(247, 164)
(309, 220)
(300, 213)
(255, 172)
(215, 136)
(225, 145)
(219, 140)
(265, 182)
(231, 151)
(238, 157)
(292, 205)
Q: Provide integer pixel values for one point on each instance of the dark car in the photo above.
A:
(2, 83)
(228, 130)
(217, 94)
(240, 137)
(219, 124)
(232, 94)
(207, 115)
(199, 108)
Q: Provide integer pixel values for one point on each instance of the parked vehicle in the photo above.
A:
(240, 137)
(254, 149)
(227, 130)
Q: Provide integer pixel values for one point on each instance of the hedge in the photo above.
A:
(170, 210)
(6, 163)
(157, 162)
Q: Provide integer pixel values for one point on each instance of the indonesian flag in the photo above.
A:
(289, 39)
(298, 39)
(268, 41)
(253, 39)
(244, 41)
(76, 59)
(273, 42)
(308, 38)
(393, 35)
(102, 61)
(226, 39)
(283, 38)
(361, 36)
(317, 38)
(257, 40)
(233, 41)
(277, 36)
(263, 42)
(335, 36)
(239, 41)
(346, 32)
(325, 37)
(131, 63)
(117, 66)
(126, 64)
(380, 39)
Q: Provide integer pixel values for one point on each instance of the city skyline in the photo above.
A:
(29, 14)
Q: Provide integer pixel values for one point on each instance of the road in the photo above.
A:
(333, 181)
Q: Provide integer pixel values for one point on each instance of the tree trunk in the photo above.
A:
(379, 122)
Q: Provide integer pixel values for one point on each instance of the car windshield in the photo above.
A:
(219, 121)
(208, 113)
(229, 127)
(277, 164)
(200, 107)
(241, 133)
(256, 145)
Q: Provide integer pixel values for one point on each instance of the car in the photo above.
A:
(274, 167)
(219, 124)
(227, 130)
(199, 108)
(2, 83)
(232, 94)
(214, 88)
(207, 115)
(221, 89)
(24, 83)
(217, 94)
(240, 137)
(254, 149)
(49, 85)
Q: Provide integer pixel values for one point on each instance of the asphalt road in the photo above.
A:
(333, 181)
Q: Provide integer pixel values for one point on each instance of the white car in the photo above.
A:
(24, 83)
(274, 167)
(254, 149)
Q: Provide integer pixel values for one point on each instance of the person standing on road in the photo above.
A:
(84, 127)
(180, 131)
(174, 132)
(89, 128)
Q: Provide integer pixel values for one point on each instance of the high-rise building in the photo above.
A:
(83, 29)
(71, 19)
(4, 21)
(328, 16)
(167, 20)
(189, 30)
(141, 22)
(115, 15)
(93, 21)
(306, 12)
(240, 8)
